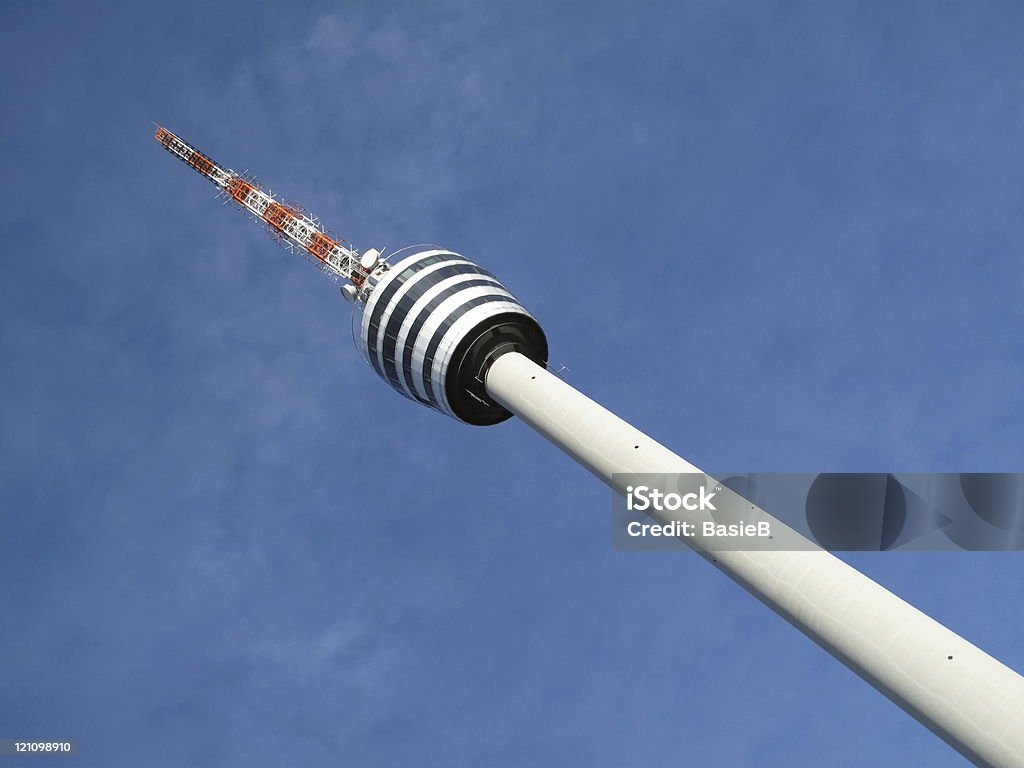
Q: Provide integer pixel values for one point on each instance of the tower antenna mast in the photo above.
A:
(289, 224)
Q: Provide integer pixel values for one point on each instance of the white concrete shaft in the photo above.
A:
(972, 701)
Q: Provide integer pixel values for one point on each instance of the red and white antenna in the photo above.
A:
(288, 224)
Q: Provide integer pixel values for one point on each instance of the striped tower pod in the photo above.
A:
(432, 326)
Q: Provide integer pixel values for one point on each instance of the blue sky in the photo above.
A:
(778, 236)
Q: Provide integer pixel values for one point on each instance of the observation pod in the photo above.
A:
(433, 323)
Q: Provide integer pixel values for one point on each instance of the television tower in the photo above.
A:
(444, 332)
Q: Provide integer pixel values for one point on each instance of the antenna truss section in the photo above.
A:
(289, 224)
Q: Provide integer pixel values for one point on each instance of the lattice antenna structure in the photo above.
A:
(289, 224)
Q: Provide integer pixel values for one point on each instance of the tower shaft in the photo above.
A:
(966, 697)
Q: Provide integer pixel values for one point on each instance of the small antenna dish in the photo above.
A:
(350, 292)
(369, 258)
